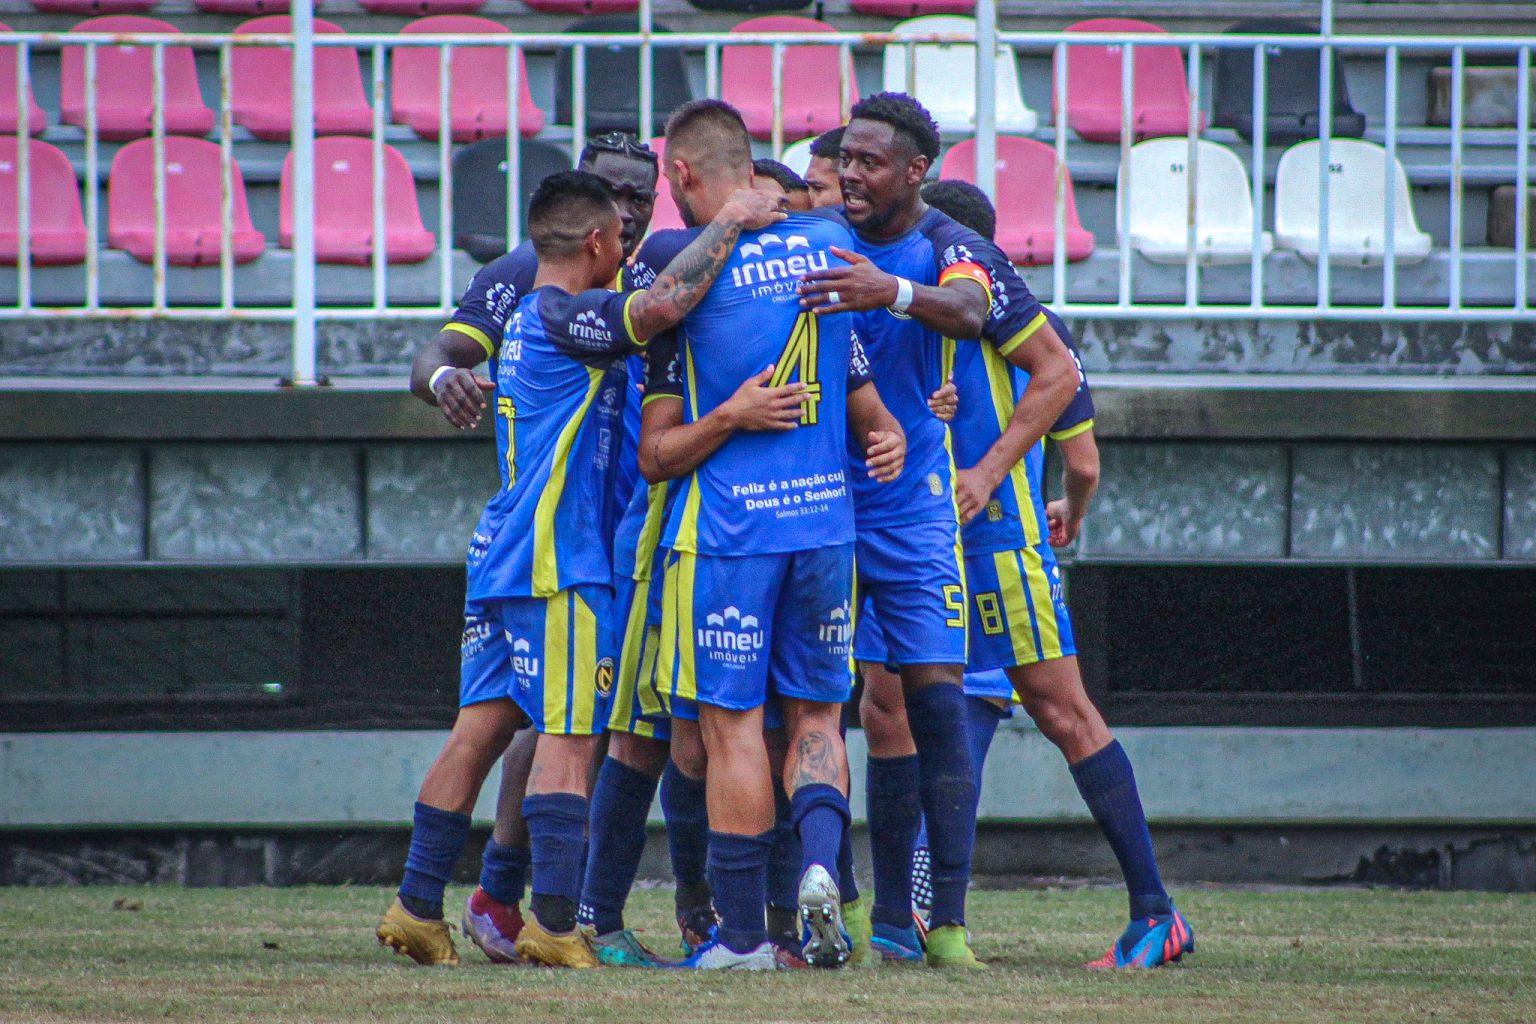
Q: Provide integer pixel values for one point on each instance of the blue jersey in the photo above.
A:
(492, 295)
(765, 492)
(560, 387)
(909, 362)
(990, 387)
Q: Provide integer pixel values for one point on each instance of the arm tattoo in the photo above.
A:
(683, 283)
(815, 760)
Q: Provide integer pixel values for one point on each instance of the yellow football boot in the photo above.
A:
(862, 952)
(949, 947)
(573, 949)
(426, 942)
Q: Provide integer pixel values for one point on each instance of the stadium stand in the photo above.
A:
(1026, 200)
(1502, 227)
(665, 214)
(613, 102)
(344, 204)
(477, 104)
(1159, 93)
(36, 119)
(1292, 102)
(943, 77)
(53, 204)
(124, 83)
(810, 81)
(193, 197)
(1357, 204)
(1156, 202)
(480, 191)
(261, 85)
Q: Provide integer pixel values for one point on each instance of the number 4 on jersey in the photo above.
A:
(798, 362)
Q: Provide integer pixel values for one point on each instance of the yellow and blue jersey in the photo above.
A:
(764, 492)
(560, 385)
(492, 295)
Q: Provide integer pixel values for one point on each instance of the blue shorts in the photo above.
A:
(637, 707)
(687, 710)
(913, 576)
(1018, 609)
(730, 625)
(869, 645)
(553, 656)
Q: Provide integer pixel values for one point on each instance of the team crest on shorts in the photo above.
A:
(994, 511)
(604, 676)
(935, 485)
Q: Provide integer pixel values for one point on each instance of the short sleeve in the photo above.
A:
(1077, 417)
(663, 368)
(593, 323)
(958, 255)
(858, 366)
(653, 256)
(492, 295)
(1016, 314)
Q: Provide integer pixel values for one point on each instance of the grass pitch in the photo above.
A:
(309, 955)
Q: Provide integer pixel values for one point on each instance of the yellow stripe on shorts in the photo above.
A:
(1010, 583)
(557, 662)
(1045, 608)
(584, 679)
(651, 700)
(687, 682)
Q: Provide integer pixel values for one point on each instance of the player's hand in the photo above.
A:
(461, 396)
(944, 402)
(973, 489)
(756, 406)
(752, 209)
(885, 454)
(1063, 523)
(856, 288)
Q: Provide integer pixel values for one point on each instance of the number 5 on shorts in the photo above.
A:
(954, 600)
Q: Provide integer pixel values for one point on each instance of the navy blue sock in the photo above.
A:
(556, 823)
(847, 884)
(682, 804)
(437, 841)
(738, 874)
(895, 814)
(504, 872)
(820, 813)
(1108, 786)
(937, 715)
(621, 800)
(982, 719)
(784, 860)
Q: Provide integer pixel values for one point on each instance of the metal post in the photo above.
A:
(647, 101)
(712, 71)
(92, 186)
(376, 175)
(1260, 115)
(444, 181)
(1458, 97)
(1059, 249)
(776, 92)
(157, 135)
(1324, 173)
(844, 81)
(1389, 239)
(24, 175)
(514, 144)
(226, 184)
(1123, 191)
(1192, 184)
(1522, 177)
(304, 192)
(986, 97)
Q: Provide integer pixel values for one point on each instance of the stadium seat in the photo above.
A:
(944, 77)
(247, 7)
(911, 8)
(749, 6)
(417, 8)
(36, 119)
(124, 84)
(810, 81)
(57, 227)
(478, 97)
(1158, 215)
(1291, 98)
(1159, 94)
(583, 6)
(261, 85)
(193, 197)
(93, 7)
(613, 104)
(480, 191)
(1503, 226)
(666, 214)
(1357, 204)
(797, 157)
(1026, 199)
(344, 204)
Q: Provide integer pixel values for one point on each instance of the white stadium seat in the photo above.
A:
(1158, 216)
(798, 156)
(1357, 204)
(944, 77)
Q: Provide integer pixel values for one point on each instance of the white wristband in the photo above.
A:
(437, 375)
(903, 295)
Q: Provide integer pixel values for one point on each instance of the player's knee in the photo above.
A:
(688, 752)
(643, 754)
(1071, 725)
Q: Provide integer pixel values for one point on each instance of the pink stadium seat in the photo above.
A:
(416, 8)
(911, 8)
(244, 6)
(193, 195)
(36, 120)
(478, 102)
(79, 7)
(58, 230)
(1159, 94)
(344, 205)
(583, 7)
(261, 85)
(1026, 198)
(665, 214)
(810, 80)
(124, 84)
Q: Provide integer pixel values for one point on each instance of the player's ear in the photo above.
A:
(917, 169)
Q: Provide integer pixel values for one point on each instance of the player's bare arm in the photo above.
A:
(1053, 381)
(885, 443)
(688, 277)
(956, 309)
(1079, 480)
(459, 391)
(670, 448)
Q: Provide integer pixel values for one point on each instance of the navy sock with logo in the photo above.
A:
(621, 801)
(937, 716)
(738, 874)
(895, 814)
(556, 824)
(1108, 786)
(438, 838)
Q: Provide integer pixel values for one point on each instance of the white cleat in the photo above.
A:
(715, 955)
(821, 912)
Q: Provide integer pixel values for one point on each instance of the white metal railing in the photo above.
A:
(1196, 48)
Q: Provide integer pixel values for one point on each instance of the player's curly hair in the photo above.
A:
(828, 144)
(905, 115)
(788, 180)
(964, 203)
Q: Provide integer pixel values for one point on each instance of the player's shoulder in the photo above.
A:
(952, 241)
(824, 224)
(658, 249)
(515, 269)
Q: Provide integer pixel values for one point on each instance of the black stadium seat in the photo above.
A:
(1291, 99)
(480, 191)
(749, 6)
(613, 78)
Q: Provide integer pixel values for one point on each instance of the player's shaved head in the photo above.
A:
(566, 209)
(711, 137)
